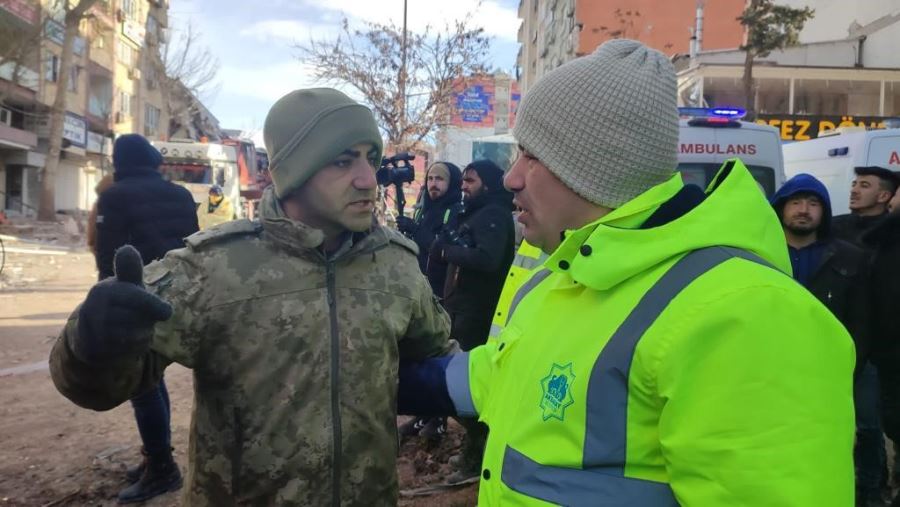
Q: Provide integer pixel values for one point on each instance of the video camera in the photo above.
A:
(396, 171)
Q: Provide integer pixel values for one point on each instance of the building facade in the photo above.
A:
(114, 88)
(844, 72)
(555, 31)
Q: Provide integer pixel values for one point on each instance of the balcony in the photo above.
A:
(11, 137)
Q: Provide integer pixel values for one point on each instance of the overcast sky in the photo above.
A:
(253, 41)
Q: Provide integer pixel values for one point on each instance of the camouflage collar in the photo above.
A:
(301, 238)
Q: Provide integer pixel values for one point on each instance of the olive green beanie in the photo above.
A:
(307, 129)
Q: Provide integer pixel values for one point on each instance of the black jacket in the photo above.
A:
(477, 265)
(852, 228)
(840, 283)
(431, 219)
(143, 210)
(884, 240)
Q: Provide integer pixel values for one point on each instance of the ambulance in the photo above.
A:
(710, 136)
(833, 155)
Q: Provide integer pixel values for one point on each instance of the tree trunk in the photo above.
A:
(749, 92)
(47, 206)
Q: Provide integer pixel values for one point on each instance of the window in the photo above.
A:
(124, 99)
(51, 69)
(125, 54)
(151, 120)
(152, 26)
(130, 8)
(72, 85)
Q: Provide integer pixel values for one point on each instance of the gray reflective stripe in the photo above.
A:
(607, 392)
(572, 486)
(529, 262)
(603, 460)
(495, 331)
(457, 377)
(532, 282)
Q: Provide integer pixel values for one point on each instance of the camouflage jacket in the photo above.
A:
(295, 359)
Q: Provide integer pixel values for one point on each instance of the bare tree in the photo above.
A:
(410, 99)
(72, 21)
(769, 27)
(188, 73)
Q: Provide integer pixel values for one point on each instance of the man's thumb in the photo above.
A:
(129, 266)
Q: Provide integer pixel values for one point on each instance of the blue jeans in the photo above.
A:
(870, 454)
(152, 413)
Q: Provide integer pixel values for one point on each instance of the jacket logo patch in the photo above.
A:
(557, 392)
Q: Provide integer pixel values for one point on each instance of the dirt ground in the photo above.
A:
(53, 453)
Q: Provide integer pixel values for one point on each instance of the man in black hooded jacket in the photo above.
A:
(440, 206)
(439, 209)
(153, 215)
(478, 254)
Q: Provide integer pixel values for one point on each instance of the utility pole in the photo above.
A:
(401, 81)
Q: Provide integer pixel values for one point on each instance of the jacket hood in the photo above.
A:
(453, 194)
(734, 213)
(133, 153)
(804, 184)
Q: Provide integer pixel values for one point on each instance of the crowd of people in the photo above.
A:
(650, 343)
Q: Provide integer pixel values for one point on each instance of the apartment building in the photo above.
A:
(555, 31)
(114, 88)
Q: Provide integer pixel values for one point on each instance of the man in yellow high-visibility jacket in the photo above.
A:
(662, 355)
(527, 259)
(217, 209)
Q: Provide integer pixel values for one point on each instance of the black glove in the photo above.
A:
(406, 225)
(456, 237)
(116, 319)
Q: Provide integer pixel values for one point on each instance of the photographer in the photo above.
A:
(478, 254)
(441, 204)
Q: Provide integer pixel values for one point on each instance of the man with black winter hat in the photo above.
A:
(153, 215)
(478, 254)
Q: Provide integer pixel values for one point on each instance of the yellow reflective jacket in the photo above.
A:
(527, 259)
(735, 390)
(222, 213)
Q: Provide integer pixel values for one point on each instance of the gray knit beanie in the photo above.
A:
(605, 124)
(307, 129)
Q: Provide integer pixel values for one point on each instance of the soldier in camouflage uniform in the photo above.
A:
(293, 326)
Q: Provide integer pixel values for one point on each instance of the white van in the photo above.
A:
(832, 157)
(705, 142)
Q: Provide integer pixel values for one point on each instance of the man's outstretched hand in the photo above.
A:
(116, 319)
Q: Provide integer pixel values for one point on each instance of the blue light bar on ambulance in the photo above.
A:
(730, 113)
(734, 113)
